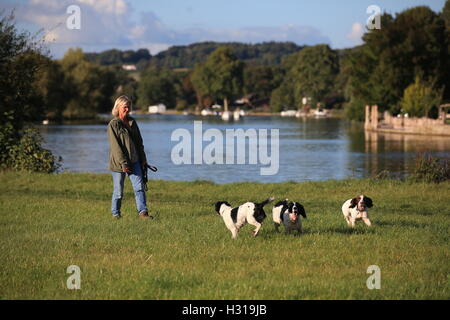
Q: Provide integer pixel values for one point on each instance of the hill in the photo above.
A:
(267, 53)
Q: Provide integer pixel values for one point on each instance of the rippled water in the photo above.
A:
(311, 149)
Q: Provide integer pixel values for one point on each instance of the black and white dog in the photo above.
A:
(357, 209)
(288, 213)
(249, 212)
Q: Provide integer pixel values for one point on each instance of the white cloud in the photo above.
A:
(107, 24)
(356, 33)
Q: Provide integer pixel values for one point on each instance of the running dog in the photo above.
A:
(249, 212)
(357, 209)
(289, 214)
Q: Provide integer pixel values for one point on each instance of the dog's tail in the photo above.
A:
(262, 204)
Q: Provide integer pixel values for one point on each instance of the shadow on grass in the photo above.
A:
(409, 224)
(271, 234)
(346, 230)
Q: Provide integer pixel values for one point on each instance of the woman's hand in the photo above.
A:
(126, 170)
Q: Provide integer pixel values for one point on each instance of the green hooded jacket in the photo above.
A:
(120, 140)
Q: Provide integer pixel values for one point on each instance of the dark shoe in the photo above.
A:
(117, 217)
(144, 216)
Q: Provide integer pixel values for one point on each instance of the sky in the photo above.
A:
(159, 24)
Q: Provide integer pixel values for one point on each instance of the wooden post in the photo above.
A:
(367, 120)
(225, 105)
(374, 115)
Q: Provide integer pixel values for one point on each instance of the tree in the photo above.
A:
(20, 60)
(446, 18)
(156, 86)
(126, 85)
(221, 76)
(314, 72)
(185, 92)
(51, 85)
(419, 98)
(91, 86)
(258, 80)
(201, 80)
(446, 15)
(412, 43)
(282, 97)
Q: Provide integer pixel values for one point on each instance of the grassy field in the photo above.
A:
(49, 222)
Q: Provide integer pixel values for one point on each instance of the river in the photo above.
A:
(308, 149)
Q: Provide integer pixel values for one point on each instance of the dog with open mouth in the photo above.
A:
(357, 209)
(288, 213)
(249, 212)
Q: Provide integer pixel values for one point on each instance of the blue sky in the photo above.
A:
(158, 24)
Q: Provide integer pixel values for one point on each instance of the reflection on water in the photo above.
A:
(397, 153)
(309, 149)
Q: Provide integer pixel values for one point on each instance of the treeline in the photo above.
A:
(74, 88)
(267, 54)
(139, 57)
(404, 67)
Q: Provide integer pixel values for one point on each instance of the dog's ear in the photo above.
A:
(217, 206)
(354, 203)
(259, 214)
(301, 210)
(368, 202)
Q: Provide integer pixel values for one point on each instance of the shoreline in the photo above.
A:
(105, 118)
(381, 177)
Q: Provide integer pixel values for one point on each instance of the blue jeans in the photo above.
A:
(138, 187)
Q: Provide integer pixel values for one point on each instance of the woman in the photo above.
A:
(126, 157)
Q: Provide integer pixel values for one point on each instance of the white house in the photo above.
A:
(129, 67)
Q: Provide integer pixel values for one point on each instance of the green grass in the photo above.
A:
(49, 222)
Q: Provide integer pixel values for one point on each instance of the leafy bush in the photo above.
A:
(430, 169)
(419, 98)
(24, 151)
(29, 155)
(355, 109)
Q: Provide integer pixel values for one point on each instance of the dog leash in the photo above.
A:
(145, 178)
(145, 175)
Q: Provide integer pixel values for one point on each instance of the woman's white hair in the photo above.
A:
(119, 102)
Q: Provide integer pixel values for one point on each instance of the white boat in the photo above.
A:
(207, 112)
(320, 113)
(226, 115)
(288, 113)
